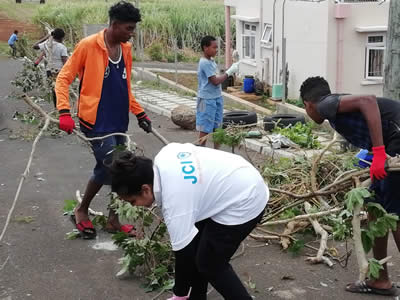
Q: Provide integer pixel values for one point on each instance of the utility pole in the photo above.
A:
(391, 87)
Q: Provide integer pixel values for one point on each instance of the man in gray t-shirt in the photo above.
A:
(56, 55)
(372, 123)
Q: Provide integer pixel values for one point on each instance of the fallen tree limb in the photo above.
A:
(23, 176)
(291, 227)
(303, 217)
(314, 169)
(323, 243)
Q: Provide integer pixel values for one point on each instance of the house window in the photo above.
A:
(375, 57)
(266, 39)
(249, 40)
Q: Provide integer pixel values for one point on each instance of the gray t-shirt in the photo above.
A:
(58, 50)
(353, 126)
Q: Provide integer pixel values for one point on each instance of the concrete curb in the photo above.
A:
(146, 74)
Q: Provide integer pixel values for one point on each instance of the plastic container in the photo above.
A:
(248, 84)
(364, 159)
(277, 91)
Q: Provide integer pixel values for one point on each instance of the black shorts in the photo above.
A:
(387, 191)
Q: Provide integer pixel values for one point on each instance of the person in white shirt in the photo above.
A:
(210, 200)
(55, 52)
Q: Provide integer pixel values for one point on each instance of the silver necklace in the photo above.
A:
(119, 52)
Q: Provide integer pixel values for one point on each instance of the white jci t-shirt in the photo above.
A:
(195, 183)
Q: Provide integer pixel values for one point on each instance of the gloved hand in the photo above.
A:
(178, 298)
(377, 169)
(66, 123)
(233, 69)
(36, 63)
(144, 121)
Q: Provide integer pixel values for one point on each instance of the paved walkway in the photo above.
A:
(162, 103)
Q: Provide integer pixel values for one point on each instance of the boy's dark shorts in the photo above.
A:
(102, 150)
(387, 190)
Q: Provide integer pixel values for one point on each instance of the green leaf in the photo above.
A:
(100, 221)
(356, 196)
(373, 268)
(375, 209)
(367, 240)
(74, 234)
(69, 205)
(391, 221)
(296, 247)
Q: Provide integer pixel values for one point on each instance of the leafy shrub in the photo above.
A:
(156, 51)
(300, 134)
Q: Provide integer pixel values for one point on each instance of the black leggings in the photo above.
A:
(206, 260)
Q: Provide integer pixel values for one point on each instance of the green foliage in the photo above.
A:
(296, 247)
(278, 171)
(164, 21)
(152, 252)
(356, 196)
(231, 136)
(29, 78)
(170, 56)
(296, 102)
(300, 134)
(290, 213)
(24, 47)
(342, 228)
(373, 268)
(156, 51)
(100, 221)
(24, 219)
(72, 235)
(379, 227)
(27, 118)
(69, 206)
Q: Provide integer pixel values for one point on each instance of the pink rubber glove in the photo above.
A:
(66, 123)
(178, 298)
(377, 169)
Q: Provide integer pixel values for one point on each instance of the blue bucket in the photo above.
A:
(248, 84)
(364, 159)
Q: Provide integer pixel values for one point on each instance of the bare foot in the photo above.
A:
(81, 214)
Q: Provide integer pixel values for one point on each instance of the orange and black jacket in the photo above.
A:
(89, 61)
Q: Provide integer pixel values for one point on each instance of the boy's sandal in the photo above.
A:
(86, 228)
(363, 288)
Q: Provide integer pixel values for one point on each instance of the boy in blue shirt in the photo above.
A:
(210, 103)
(11, 42)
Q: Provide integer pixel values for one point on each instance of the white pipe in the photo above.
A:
(339, 54)
(273, 43)
(228, 54)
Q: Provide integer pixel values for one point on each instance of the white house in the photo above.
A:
(341, 40)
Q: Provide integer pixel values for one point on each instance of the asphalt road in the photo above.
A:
(37, 262)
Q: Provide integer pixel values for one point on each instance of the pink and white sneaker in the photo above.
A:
(178, 298)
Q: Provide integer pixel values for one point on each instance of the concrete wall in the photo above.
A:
(306, 32)
(362, 14)
(311, 34)
(89, 29)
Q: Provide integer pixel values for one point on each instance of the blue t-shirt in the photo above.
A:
(207, 90)
(113, 109)
(12, 39)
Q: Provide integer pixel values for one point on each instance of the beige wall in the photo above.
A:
(362, 14)
(311, 34)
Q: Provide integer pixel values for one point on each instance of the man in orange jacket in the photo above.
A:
(103, 63)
